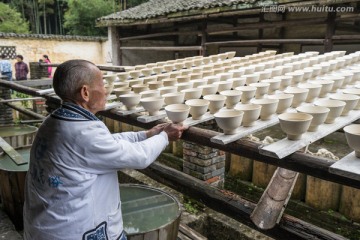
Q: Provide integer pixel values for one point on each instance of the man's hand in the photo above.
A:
(174, 131)
(156, 130)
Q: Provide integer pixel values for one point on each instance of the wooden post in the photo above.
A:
(329, 197)
(260, 31)
(241, 167)
(349, 203)
(114, 39)
(330, 31)
(282, 33)
(176, 41)
(203, 38)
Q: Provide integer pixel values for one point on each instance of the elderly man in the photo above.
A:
(72, 189)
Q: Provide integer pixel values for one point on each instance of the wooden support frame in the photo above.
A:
(160, 48)
(114, 39)
(330, 31)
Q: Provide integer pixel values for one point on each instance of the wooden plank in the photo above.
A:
(112, 105)
(245, 131)
(191, 233)
(348, 166)
(267, 41)
(272, 204)
(45, 91)
(174, 48)
(160, 34)
(122, 112)
(101, 67)
(14, 155)
(285, 147)
(191, 122)
(36, 82)
(147, 118)
(20, 99)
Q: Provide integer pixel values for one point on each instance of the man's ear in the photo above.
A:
(85, 93)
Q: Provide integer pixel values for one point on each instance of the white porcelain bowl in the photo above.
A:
(229, 121)
(177, 113)
(152, 104)
(198, 107)
(285, 101)
(261, 89)
(209, 89)
(300, 95)
(352, 133)
(268, 107)
(248, 93)
(350, 100)
(319, 115)
(251, 113)
(130, 100)
(232, 97)
(336, 108)
(122, 91)
(174, 98)
(314, 91)
(295, 124)
(192, 93)
(216, 102)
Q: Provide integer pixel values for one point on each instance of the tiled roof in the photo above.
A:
(157, 8)
(52, 37)
(155, 11)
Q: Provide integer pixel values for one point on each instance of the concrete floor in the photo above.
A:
(7, 229)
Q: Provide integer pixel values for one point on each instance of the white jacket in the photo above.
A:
(72, 189)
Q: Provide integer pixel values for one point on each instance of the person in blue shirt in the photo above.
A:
(5, 67)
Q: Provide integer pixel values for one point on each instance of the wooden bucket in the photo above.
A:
(18, 135)
(12, 182)
(149, 213)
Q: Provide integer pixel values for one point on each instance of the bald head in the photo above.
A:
(71, 75)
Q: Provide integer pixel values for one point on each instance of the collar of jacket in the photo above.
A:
(73, 112)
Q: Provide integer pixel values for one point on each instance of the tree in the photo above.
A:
(11, 20)
(81, 15)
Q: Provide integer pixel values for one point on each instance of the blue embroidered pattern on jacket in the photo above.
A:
(54, 181)
(99, 233)
(73, 112)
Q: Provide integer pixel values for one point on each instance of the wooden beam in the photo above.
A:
(161, 34)
(346, 37)
(36, 82)
(101, 67)
(114, 40)
(25, 111)
(267, 41)
(299, 162)
(268, 24)
(159, 48)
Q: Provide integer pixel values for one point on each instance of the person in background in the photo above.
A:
(21, 68)
(47, 60)
(72, 189)
(5, 67)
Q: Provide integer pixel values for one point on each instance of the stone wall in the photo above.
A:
(58, 48)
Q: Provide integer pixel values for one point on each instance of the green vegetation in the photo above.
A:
(192, 206)
(60, 16)
(11, 20)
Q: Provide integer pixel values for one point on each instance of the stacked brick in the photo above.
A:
(6, 113)
(204, 163)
